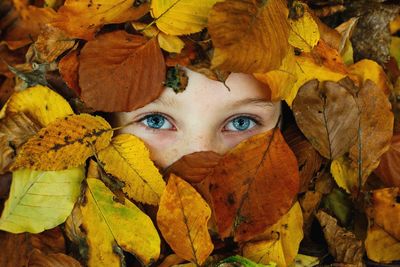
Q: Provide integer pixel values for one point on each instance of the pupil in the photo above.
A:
(155, 121)
(241, 124)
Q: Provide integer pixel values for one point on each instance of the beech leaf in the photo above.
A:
(304, 33)
(117, 67)
(65, 143)
(68, 67)
(109, 224)
(40, 200)
(184, 208)
(249, 36)
(253, 185)
(389, 167)
(128, 159)
(381, 246)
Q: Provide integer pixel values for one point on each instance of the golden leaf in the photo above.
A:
(128, 159)
(40, 200)
(304, 33)
(109, 224)
(64, 143)
(39, 103)
(345, 176)
(184, 208)
(381, 246)
(181, 16)
(249, 36)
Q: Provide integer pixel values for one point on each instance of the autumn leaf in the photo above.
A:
(245, 202)
(68, 67)
(128, 159)
(40, 200)
(241, 261)
(124, 62)
(181, 16)
(64, 143)
(39, 103)
(15, 129)
(280, 242)
(183, 207)
(109, 224)
(381, 246)
(389, 166)
(37, 258)
(93, 14)
(304, 33)
(328, 116)
(249, 36)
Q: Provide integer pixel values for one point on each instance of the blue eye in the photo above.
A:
(157, 121)
(241, 123)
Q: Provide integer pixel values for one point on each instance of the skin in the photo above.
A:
(202, 118)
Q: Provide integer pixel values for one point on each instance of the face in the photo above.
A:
(206, 116)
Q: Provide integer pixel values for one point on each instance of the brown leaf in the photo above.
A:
(10, 57)
(194, 167)
(249, 36)
(309, 203)
(328, 116)
(39, 259)
(117, 68)
(6, 90)
(253, 185)
(342, 244)
(389, 167)
(69, 67)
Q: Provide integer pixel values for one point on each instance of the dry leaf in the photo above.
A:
(184, 208)
(389, 167)
(309, 204)
(65, 143)
(342, 244)
(194, 167)
(328, 116)
(129, 64)
(69, 67)
(39, 259)
(253, 185)
(10, 58)
(249, 36)
(304, 33)
(128, 159)
(381, 246)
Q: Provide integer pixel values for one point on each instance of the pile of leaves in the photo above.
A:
(323, 189)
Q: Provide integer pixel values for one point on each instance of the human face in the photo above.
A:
(205, 117)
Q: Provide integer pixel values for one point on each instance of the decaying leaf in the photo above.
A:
(389, 167)
(116, 68)
(128, 159)
(342, 244)
(280, 242)
(181, 16)
(110, 224)
(253, 185)
(304, 33)
(93, 14)
(183, 207)
(328, 116)
(64, 143)
(40, 200)
(249, 36)
(381, 246)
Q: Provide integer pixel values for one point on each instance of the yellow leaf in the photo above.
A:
(40, 103)
(40, 200)
(305, 261)
(280, 242)
(128, 159)
(381, 246)
(170, 43)
(304, 33)
(109, 223)
(184, 209)
(181, 16)
(345, 176)
(249, 36)
(64, 143)
(394, 25)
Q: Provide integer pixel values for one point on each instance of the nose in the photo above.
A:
(200, 141)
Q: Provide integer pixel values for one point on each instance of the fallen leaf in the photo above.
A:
(242, 262)
(39, 103)
(249, 36)
(128, 159)
(246, 202)
(7, 88)
(342, 244)
(280, 242)
(40, 200)
(73, 229)
(389, 166)
(306, 261)
(127, 63)
(69, 67)
(381, 246)
(340, 205)
(93, 14)
(304, 33)
(181, 16)
(39, 259)
(309, 204)
(171, 260)
(64, 143)
(194, 167)
(328, 116)
(395, 49)
(183, 207)
(10, 58)
(109, 224)
(15, 129)
(345, 175)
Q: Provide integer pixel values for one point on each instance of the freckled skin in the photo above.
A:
(200, 115)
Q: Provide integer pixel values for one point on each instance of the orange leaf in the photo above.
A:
(68, 67)
(115, 70)
(389, 167)
(253, 185)
(184, 209)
